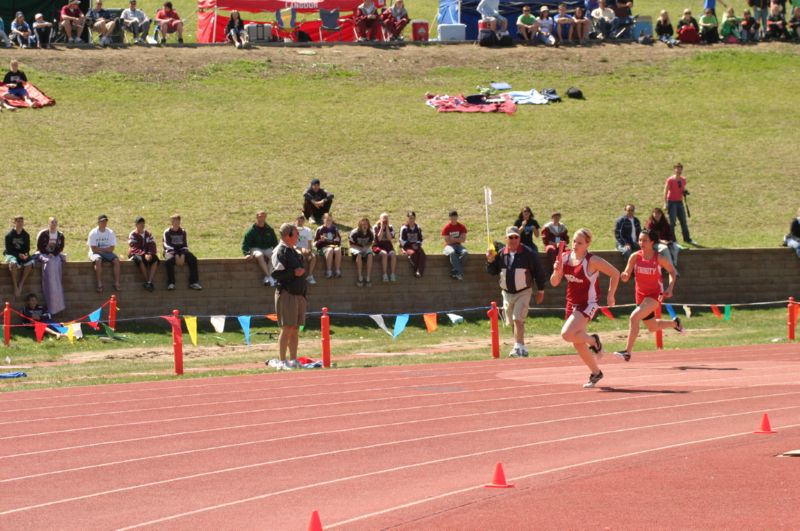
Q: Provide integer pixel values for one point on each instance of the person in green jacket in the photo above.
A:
(731, 26)
(259, 240)
(709, 32)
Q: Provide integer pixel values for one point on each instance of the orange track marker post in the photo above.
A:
(791, 319)
(494, 315)
(112, 313)
(325, 327)
(499, 479)
(315, 524)
(765, 426)
(177, 342)
(7, 324)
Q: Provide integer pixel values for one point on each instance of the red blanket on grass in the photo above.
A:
(38, 98)
(445, 103)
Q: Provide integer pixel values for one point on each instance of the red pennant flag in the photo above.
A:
(39, 327)
(715, 309)
(177, 333)
(607, 312)
(272, 317)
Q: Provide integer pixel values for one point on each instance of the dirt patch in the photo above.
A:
(170, 63)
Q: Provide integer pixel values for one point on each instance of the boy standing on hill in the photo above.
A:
(674, 192)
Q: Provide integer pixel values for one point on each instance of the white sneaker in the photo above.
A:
(393, 277)
(328, 274)
(515, 352)
(267, 280)
(170, 287)
(311, 279)
(284, 366)
(195, 286)
(524, 351)
(294, 364)
(386, 278)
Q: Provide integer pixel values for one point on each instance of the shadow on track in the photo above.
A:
(644, 391)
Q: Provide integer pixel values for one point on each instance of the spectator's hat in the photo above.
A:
(512, 231)
(140, 219)
(543, 9)
(102, 217)
(74, 1)
(19, 14)
(314, 181)
(37, 16)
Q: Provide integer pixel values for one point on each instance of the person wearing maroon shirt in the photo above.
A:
(455, 234)
(384, 247)
(142, 251)
(367, 21)
(553, 233)
(411, 244)
(674, 192)
(176, 252)
(169, 21)
(73, 21)
(328, 242)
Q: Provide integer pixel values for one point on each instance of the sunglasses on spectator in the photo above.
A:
(513, 237)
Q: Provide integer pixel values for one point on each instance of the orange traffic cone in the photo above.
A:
(314, 524)
(765, 427)
(499, 479)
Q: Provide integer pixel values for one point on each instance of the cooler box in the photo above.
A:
(482, 25)
(452, 32)
(642, 24)
(419, 30)
(259, 32)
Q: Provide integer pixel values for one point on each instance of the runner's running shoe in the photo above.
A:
(593, 379)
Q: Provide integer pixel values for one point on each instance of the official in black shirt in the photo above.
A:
(288, 269)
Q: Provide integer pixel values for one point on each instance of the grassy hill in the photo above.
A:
(217, 134)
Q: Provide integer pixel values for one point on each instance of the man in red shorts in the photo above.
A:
(169, 21)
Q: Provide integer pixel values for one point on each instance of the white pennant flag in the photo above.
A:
(487, 195)
(687, 310)
(378, 318)
(454, 318)
(77, 331)
(218, 322)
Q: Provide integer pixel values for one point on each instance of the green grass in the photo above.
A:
(351, 338)
(230, 138)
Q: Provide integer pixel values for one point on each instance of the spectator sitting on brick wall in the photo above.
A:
(553, 233)
(102, 23)
(455, 234)
(142, 251)
(36, 312)
(316, 202)
(384, 247)
(44, 32)
(411, 244)
(664, 236)
(328, 242)
(102, 242)
(305, 241)
(258, 243)
(626, 231)
(235, 32)
(361, 240)
(50, 247)
(18, 254)
(73, 21)
(528, 227)
(395, 19)
(168, 22)
(792, 239)
(176, 252)
(367, 20)
(21, 31)
(135, 21)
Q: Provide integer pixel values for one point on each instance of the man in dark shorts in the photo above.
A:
(290, 297)
(316, 202)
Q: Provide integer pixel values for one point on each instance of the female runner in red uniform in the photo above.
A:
(582, 270)
(647, 264)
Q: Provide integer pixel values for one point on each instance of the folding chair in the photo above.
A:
(330, 22)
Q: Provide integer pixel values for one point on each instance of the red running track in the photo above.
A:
(667, 442)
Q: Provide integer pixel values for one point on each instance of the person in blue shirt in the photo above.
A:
(21, 31)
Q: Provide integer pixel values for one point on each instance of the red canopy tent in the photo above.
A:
(211, 24)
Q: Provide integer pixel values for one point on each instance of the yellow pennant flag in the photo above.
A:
(70, 333)
(191, 326)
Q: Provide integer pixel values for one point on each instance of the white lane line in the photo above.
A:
(392, 443)
(394, 410)
(359, 401)
(541, 473)
(392, 424)
(414, 465)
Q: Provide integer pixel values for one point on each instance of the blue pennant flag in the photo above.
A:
(94, 318)
(670, 311)
(400, 323)
(60, 329)
(244, 320)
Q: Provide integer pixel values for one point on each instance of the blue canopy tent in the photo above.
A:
(466, 11)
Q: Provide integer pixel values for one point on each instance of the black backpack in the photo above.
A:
(487, 37)
(506, 41)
